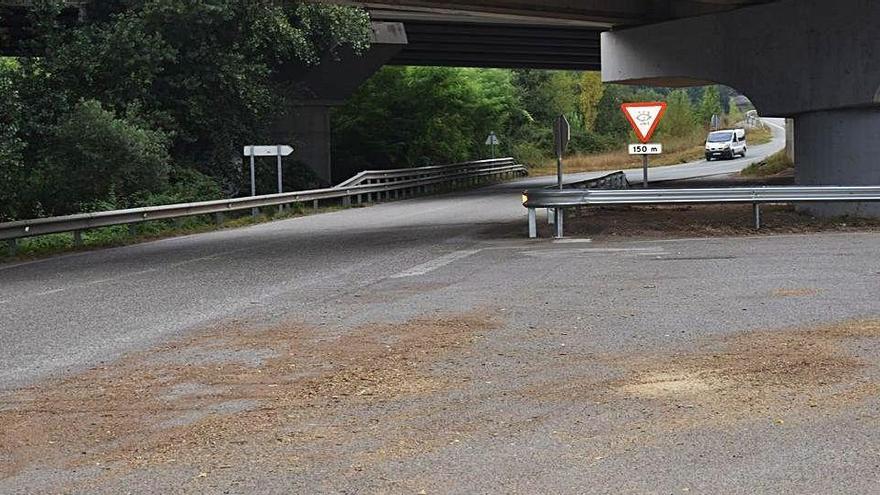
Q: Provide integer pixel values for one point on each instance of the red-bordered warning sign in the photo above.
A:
(644, 117)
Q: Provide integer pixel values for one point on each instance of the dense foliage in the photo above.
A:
(149, 93)
(428, 115)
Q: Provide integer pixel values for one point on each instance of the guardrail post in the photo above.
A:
(346, 200)
(533, 223)
(77, 238)
(757, 211)
(12, 246)
(559, 215)
(132, 229)
(315, 204)
(360, 199)
(218, 218)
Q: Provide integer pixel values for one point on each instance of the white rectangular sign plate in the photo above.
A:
(270, 150)
(646, 149)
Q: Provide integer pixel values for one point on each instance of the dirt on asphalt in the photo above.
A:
(293, 398)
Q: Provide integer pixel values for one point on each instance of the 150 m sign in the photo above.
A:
(646, 149)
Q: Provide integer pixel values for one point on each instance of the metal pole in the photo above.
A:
(253, 184)
(280, 184)
(645, 171)
(533, 223)
(493, 150)
(559, 169)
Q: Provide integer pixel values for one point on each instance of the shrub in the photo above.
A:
(96, 156)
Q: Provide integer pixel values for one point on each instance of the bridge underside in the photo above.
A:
(511, 46)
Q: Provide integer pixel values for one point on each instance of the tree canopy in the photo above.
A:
(181, 82)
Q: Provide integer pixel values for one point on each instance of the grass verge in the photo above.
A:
(123, 235)
(772, 165)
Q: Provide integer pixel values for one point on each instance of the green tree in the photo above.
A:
(94, 156)
(679, 120)
(591, 91)
(207, 75)
(734, 115)
(13, 176)
(609, 118)
(413, 116)
(709, 106)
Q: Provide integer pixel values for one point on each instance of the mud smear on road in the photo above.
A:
(289, 395)
(759, 375)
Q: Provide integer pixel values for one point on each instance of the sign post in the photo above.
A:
(561, 137)
(278, 151)
(644, 118)
(492, 141)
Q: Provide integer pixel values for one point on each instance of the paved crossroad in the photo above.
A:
(533, 366)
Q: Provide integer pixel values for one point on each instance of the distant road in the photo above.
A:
(690, 170)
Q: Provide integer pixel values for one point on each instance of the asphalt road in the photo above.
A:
(65, 313)
(425, 346)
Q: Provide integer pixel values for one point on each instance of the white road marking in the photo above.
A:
(434, 264)
(571, 241)
(549, 253)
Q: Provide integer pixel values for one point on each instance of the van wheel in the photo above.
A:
(744, 152)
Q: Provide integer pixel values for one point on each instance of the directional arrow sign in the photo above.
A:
(644, 117)
(492, 139)
(269, 150)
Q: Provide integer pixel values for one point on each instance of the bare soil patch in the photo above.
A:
(286, 395)
(760, 375)
(699, 221)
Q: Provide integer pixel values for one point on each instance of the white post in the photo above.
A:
(533, 223)
(253, 183)
(280, 184)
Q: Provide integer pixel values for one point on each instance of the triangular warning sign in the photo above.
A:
(644, 117)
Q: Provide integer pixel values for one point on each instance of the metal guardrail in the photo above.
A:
(376, 185)
(566, 198)
(616, 180)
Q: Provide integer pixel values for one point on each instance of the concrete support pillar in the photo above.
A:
(839, 148)
(309, 126)
(820, 67)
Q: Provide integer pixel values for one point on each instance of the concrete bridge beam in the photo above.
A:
(812, 60)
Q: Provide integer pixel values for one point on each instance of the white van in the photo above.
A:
(726, 144)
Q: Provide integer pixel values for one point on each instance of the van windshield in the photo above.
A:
(720, 137)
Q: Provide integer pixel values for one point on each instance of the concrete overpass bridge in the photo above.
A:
(810, 60)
